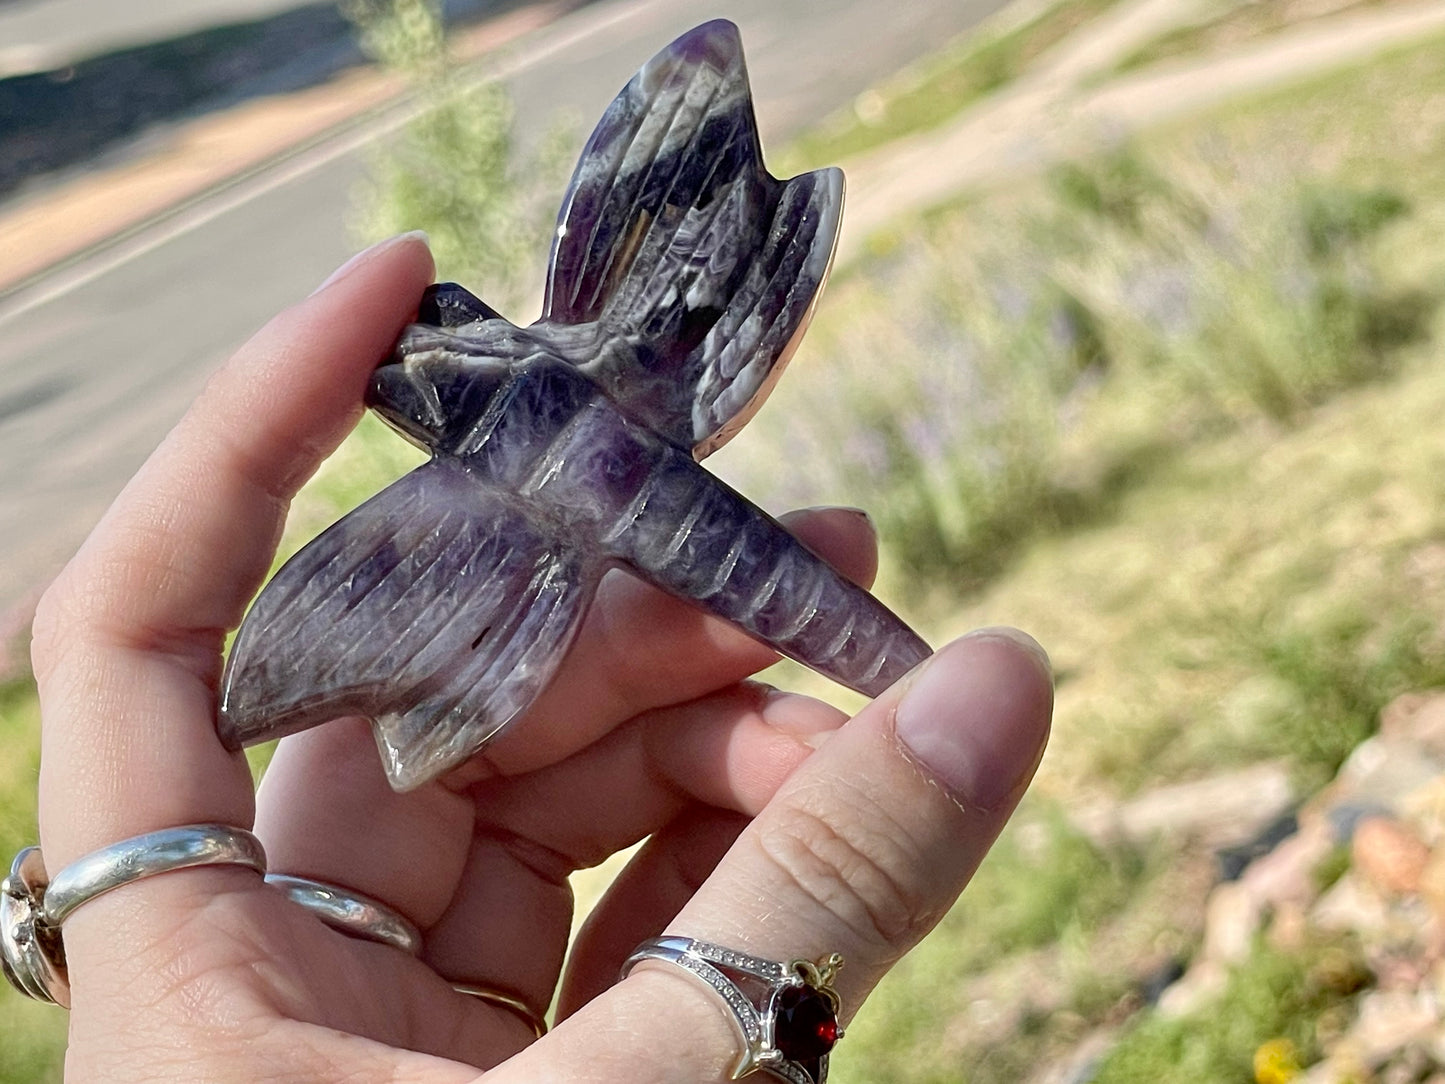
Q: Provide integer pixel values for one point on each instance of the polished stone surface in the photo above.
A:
(681, 278)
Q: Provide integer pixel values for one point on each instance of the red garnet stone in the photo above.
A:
(804, 1024)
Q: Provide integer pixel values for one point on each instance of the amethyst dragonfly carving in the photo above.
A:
(682, 276)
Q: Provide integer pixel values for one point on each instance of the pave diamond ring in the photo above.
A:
(786, 1013)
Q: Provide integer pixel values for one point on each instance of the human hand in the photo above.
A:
(777, 827)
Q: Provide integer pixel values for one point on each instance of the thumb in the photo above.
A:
(861, 852)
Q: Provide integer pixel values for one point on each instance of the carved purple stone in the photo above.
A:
(681, 278)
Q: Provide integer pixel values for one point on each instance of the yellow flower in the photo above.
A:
(1276, 1062)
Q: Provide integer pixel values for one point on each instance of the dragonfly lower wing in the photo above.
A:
(438, 609)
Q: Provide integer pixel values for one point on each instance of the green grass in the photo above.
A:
(369, 459)
(1043, 883)
(936, 89)
(1258, 594)
(19, 764)
(1054, 938)
(1272, 996)
(31, 1035)
(1072, 883)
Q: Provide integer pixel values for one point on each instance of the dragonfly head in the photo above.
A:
(436, 386)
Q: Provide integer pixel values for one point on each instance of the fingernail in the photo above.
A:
(1014, 636)
(366, 255)
(804, 718)
(847, 509)
(975, 717)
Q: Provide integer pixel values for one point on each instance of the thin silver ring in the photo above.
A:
(771, 1003)
(350, 912)
(154, 853)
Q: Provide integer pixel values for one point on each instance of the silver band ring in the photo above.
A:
(508, 1002)
(32, 906)
(350, 912)
(786, 1013)
(146, 856)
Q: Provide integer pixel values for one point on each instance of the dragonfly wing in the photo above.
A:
(697, 268)
(744, 353)
(438, 609)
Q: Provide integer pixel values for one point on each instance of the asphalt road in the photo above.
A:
(98, 362)
(36, 35)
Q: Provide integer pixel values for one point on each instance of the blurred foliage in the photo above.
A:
(456, 170)
(1197, 467)
(1259, 295)
(19, 764)
(964, 361)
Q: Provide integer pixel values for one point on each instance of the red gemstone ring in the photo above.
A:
(787, 1013)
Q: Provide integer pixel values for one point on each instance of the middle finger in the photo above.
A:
(497, 859)
(509, 922)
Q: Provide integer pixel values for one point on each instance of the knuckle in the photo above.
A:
(70, 622)
(50, 631)
(862, 872)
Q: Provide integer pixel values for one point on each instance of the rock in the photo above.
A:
(1325, 1072)
(1234, 860)
(1351, 905)
(1390, 1020)
(1379, 775)
(1418, 718)
(1201, 984)
(1342, 1066)
(1156, 976)
(1286, 874)
(1424, 811)
(1407, 1066)
(1432, 883)
(1342, 819)
(1080, 1064)
(1389, 855)
(1222, 811)
(1401, 965)
(1289, 929)
(1232, 917)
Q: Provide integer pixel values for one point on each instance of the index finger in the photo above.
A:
(128, 640)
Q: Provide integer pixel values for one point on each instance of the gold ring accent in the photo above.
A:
(504, 1000)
